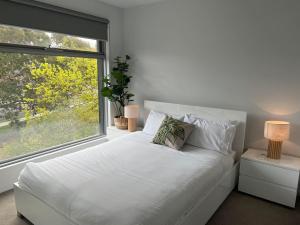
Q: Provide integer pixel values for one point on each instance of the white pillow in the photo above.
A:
(155, 119)
(153, 122)
(213, 135)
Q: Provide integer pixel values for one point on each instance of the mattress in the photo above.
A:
(127, 181)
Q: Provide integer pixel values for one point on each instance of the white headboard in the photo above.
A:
(205, 113)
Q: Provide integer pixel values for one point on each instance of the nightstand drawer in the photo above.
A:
(272, 192)
(268, 173)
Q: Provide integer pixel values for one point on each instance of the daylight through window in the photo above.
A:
(49, 91)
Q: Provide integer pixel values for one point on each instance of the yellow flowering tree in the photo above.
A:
(62, 82)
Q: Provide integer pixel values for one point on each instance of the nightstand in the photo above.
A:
(274, 180)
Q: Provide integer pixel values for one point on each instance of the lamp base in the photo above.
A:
(131, 124)
(274, 149)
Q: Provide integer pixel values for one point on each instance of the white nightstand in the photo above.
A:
(274, 180)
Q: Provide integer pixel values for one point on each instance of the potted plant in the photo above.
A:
(115, 88)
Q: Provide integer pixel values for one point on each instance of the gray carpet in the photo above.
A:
(238, 209)
(8, 215)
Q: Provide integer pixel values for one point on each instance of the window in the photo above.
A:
(49, 91)
(31, 37)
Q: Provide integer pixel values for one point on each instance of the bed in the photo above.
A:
(116, 182)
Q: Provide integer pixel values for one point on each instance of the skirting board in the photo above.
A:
(40, 213)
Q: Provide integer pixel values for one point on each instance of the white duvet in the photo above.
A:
(127, 181)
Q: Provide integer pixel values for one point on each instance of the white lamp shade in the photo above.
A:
(131, 111)
(277, 130)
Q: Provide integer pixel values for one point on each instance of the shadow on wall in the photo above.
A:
(255, 127)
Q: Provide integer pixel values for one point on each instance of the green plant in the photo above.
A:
(115, 85)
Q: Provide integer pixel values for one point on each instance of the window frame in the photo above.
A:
(99, 55)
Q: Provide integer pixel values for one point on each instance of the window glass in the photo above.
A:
(46, 101)
(24, 36)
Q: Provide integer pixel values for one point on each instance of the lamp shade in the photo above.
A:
(131, 111)
(277, 130)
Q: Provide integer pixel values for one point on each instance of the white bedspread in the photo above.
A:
(127, 181)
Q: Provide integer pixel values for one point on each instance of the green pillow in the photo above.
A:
(173, 133)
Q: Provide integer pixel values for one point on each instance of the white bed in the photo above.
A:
(130, 181)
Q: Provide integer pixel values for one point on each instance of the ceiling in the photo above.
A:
(128, 3)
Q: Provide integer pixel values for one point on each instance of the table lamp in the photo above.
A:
(276, 132)
(132, 113)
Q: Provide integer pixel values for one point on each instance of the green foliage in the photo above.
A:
(16, 70)
(68, 42)
(58, 127)
(116, 85)
(58, 96)
(61, 82)
(15, 35)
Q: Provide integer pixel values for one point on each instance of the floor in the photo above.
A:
(238, 209)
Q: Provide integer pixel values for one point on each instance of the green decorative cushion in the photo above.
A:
(173, 133)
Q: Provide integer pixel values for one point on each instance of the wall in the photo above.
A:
(234, 54)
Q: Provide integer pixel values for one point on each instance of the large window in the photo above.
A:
(49, 91)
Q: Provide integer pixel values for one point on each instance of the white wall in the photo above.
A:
(96, 8)
(235, 54)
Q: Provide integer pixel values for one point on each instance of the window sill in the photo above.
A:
(63, 147)
(113, 132)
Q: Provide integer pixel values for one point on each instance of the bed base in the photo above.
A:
(208, 205)
(36, 211)
(39, 213)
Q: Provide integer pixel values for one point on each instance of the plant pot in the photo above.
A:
(121, 122)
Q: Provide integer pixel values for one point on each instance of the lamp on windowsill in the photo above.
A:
(132, 113)
(276, 132)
